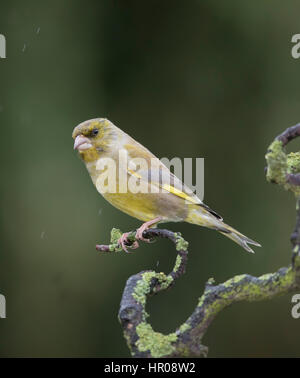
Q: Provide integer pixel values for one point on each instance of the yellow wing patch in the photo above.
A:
(170, 189)
(179, 193)
(133, 173)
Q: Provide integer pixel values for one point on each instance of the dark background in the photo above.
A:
(190, 79)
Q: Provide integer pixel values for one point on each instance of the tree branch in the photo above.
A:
(142, 340)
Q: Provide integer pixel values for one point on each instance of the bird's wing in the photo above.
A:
(157, 174)
(160, 177)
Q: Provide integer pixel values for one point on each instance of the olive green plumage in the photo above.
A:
(174, 202)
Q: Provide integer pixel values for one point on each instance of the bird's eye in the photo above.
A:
(94, 132)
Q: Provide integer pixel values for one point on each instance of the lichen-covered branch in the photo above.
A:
(282, 169)
(142, 340)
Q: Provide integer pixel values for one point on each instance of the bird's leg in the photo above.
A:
(145, 226)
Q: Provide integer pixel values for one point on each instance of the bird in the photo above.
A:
(167, 198)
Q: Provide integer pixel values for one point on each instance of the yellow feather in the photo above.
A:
(179, 193)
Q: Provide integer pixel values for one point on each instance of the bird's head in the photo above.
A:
(92, 137)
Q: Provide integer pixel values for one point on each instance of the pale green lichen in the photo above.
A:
(293, 162)
(201, 300)
(143, 287)
(177, 263)
(261, 288)
(115, 235)
(296, 257)
(252, 289)
(234, 280)
(280, 165)
(181, 244)
(184, 327)
(211, 281)
(114, 248)
(277, 163)
(156, 343)
(296, 263)
(165, 281)
(266, 277)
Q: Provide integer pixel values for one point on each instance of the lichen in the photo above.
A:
(158, 344)
(293, 162)
(201, 300)
(277, 163)
(165, 281)
(252, 289)
(177, 263)
(181, 244)
(266, 276)
(280, 165)
(143, 287)
(114, 248)
(115, 235)
(296, 263)
(210, 281)
(184, 327)
(234, 280)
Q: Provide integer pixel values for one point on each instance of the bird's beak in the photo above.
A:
(82, 143)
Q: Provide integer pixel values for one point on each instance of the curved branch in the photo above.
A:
(142, 340)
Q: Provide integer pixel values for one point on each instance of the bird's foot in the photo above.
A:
(125, 243)
(139, 233)
(144, 227)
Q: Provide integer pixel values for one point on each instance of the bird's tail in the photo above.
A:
(203, 216)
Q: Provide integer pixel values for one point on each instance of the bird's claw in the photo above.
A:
(124, 243)
(139, 234)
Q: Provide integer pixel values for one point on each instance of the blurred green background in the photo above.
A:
(190, 79)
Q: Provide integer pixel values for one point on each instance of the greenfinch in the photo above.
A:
(167, 198)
